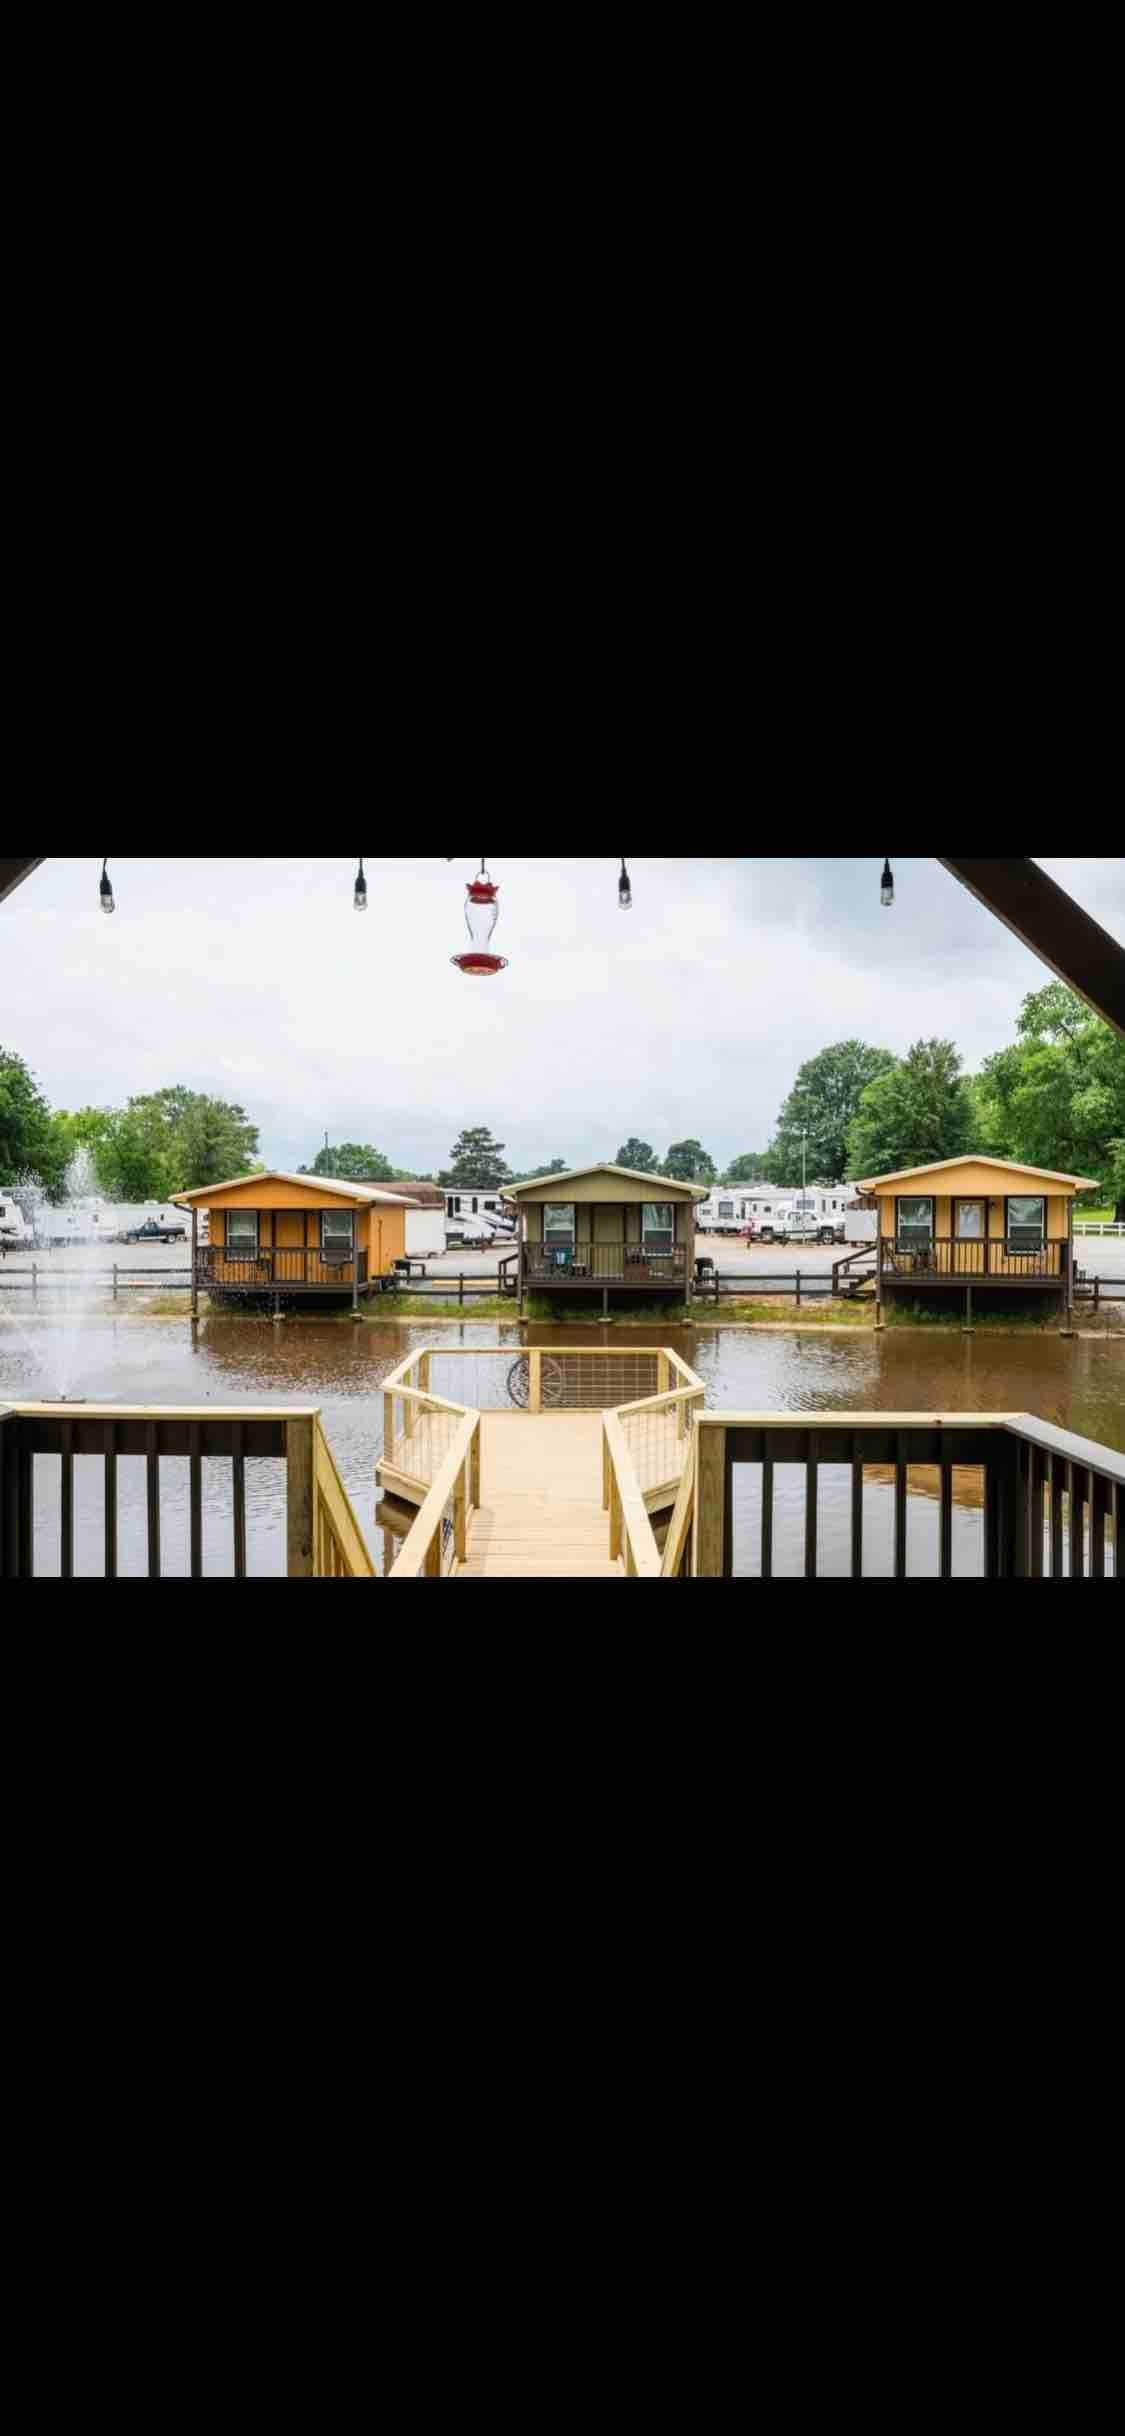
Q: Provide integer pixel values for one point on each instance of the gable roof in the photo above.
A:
(337, 1185)
(418, 1188)
(975, 1158)
(669, 1186)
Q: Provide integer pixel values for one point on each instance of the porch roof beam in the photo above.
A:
(11, 873)
(1049, 922)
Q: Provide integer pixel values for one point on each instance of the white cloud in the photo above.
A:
(690, 1014)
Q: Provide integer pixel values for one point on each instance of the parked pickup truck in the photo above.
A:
(154, 1232)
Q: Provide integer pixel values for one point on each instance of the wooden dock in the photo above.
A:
(541, 1491)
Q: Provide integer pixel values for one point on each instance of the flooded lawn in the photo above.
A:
(1078, 1384)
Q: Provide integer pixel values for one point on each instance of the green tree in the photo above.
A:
(641, 1155)
(29, 1145)
(133, 1159)
(529, 1175)
(476, 1159)
(353, 1162)
(173, 1141)
(821, 1104)
(919, 1109)
(1056, 1097)
(689, 1163)
(215, 1139)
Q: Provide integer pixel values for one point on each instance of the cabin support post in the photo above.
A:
(1068, 1308)
(605, 1302)
(967, 1329)
(879, 1269)
(194, 1267)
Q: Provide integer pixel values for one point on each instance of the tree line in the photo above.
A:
(161, 1142)
(1054, 1098)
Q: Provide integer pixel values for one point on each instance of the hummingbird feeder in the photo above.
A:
(481, 912)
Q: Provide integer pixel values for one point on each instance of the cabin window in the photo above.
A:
(337, 1230)
(726, 1209)
(242, 1230)
(915, 1222)
(656, 1226)
(1027, 1217)
(558, 1225)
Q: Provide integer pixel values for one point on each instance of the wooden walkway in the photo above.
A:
(541, 1490)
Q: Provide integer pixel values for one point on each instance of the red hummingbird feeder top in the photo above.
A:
(481, 915)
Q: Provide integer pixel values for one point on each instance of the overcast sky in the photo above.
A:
(689, 1015)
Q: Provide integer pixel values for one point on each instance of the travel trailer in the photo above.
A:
(14, 1228)
(757, 1208)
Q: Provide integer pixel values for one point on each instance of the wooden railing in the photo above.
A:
(279, 1267)
(437, 1539)
(622, 1264)
(647, 1447)
(949, 1256)
(323, 1537)
(1047, 1494)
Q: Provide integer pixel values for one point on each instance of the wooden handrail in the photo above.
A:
(683, 1516)
(335, 1519)
(630, 1531)
(415, 1557)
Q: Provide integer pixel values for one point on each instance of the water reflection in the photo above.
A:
(1078, 1384)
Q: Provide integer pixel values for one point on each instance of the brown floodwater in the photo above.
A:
(1078, 1383)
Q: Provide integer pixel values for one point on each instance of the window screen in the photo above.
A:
(656, 1226)
(915, 1220)
(1027, 1214)
(726, 1208)
(242, 1230)
(558, 1222)
(336, 1229)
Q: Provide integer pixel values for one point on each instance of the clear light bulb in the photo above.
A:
(105, 892)
(624, 892)
(359, 900)
(887, 887)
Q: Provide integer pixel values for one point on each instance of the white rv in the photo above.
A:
(477, 1217)
(14, 1228)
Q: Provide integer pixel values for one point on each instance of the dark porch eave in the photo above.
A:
(1047, 921)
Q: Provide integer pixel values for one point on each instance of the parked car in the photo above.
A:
(154, 1232)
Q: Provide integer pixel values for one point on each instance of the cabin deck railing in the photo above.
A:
(951, 1256)
(606, 1264)
(279, 1267)
(323, 1537)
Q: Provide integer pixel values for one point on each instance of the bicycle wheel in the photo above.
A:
(519, 1382)
(550, 1380)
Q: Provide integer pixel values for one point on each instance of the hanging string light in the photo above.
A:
(104, 890)
(887, 885)
(481, 913)
(624, 892)
(360, 898)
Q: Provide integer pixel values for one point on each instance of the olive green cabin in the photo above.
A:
(603, 1230)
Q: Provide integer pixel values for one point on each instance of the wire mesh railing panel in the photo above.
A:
(477, 1376)
(421, 1450)
(656, 1446)
(598, 1380)
(500, 1378)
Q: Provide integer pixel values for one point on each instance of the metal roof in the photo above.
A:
(975, 1158)
(669, 1186)
(340, 1185)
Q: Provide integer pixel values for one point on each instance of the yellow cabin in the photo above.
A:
(973, 1221)
(296, 1235)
